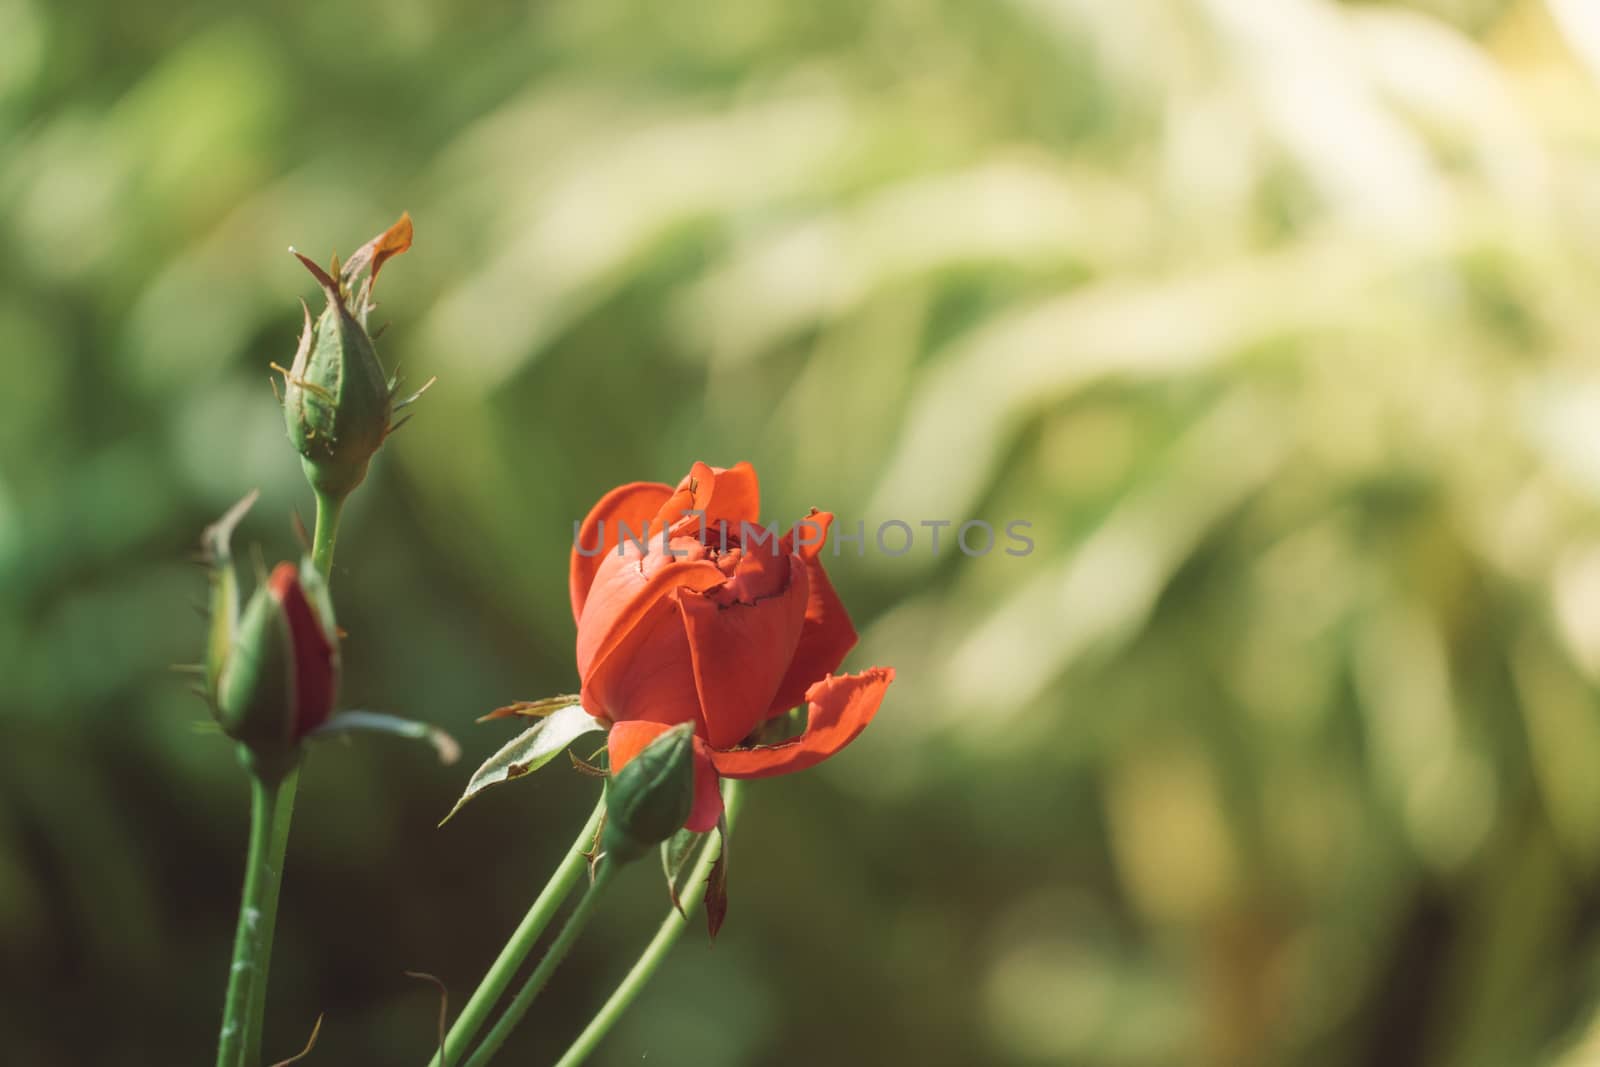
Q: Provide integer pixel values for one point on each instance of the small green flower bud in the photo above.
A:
(338, 403)
(650, 798)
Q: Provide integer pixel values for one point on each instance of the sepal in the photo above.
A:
(717, 883)
(682, 855)
(217, 554)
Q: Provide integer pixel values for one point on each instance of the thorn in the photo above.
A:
(583, 766)
(414, 397)
(187, 668)
(300, 533)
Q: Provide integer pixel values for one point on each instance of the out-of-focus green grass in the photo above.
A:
(1280, 322)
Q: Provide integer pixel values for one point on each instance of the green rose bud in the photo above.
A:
(280, 675)
(338, 403)
(650, 798)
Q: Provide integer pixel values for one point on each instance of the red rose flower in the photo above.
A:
(716, 621)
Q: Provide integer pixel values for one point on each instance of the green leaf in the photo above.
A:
(529, 751)
(377, 722)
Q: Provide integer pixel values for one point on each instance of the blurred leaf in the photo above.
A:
(377, 722)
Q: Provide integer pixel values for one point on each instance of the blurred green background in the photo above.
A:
(1278, 319)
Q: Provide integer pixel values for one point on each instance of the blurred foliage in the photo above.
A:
(1276, 320)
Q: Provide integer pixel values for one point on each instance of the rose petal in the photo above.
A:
(840, 708)
(628, 739)
(735, 495)
(815, 526)
(635, 504)
(742, 645)
(828, 635)
(391, 242)
(627, 585)
(650, 676)
(729, 495)
(633, 653)
(315, 657)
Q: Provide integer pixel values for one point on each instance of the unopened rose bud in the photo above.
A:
(281, 673)
(649, 798)
(338, 403)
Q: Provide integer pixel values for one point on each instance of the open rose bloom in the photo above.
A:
(700, 625)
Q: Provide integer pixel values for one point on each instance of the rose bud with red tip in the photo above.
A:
(280, 676)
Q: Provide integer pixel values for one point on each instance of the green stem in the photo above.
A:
(541, 974)
(327, 532)
(504, 968)
(671, 929)
(270, 809)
